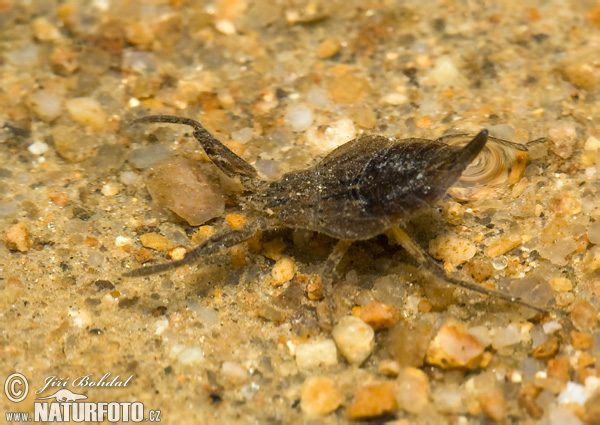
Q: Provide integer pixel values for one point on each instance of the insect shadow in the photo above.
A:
(368, 186)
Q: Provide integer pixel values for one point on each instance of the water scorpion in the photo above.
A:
(367, 186)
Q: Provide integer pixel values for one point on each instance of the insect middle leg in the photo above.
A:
(214, 244)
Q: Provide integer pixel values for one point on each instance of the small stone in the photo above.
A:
(110, 189)
(423, 122)
(444, 72)
(506, 243)
(493, 404)
(388, 367)
(527, 400)
(236, 220)
(190, 355)
(72, 144)
(505, 336)
(312, 284)
(583, 315)
(87, 111)
(452, 249)
(38, 148)
(273, 249)
(395, 99)
(313, 354)
(454, 347)
(562, 415)
(558, 251)
(320, 396)
(551, 327)
(373, 400)
(412, 390)
(377, 315)
(408, 342)
(18, 239)
(283, 271)
(581, 340)
(593, 232)
(328, 48)
(299, 118)
(63, 61)
(349, 89)
(591, 259)
(44, 30)
(143, 255)
(354, 338)
(156, 242)
(45, 104)
(179, 185)
(234, 373)
(177, 253)
(561, 284)
(546, 350)
(558, 369)
(325, 138)
(564, 138)
(581, 70)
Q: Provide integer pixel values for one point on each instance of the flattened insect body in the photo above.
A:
(369, 184)
(361, 189)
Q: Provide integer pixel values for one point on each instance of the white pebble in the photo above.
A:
(316, 353)
(318, 97)
(225, 26)
(299, 118)
(574, 393)
(129, 177)
(110, 189)
(444, 72)
(87, 111)
(558, 415)
(38, 148)
(190, 355)
(122, 241)
(354, 338)
(505, 336)
(551, 327)
(328, 137)
(234, 372)
(395, 99)
(46, 104)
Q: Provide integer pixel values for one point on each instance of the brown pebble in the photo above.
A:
(493, 404)
(592, 405)
(59, 198)
(527, 401)
(312, 284)
(235, 220)
(372, 400)
(558, 368)
(583, 315)
(377, 315)
(143, 255)
(454, 347)
(178, 184)
(424, 306)
(423, 122)
(273, 249)
(546, 350)
(17, 238)
(407, 342)
(328, 48)
(155, 241)
(63, 61)
(349, 88)
(479, 270)
(159, 311)
(581, 340)
(320, 396)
